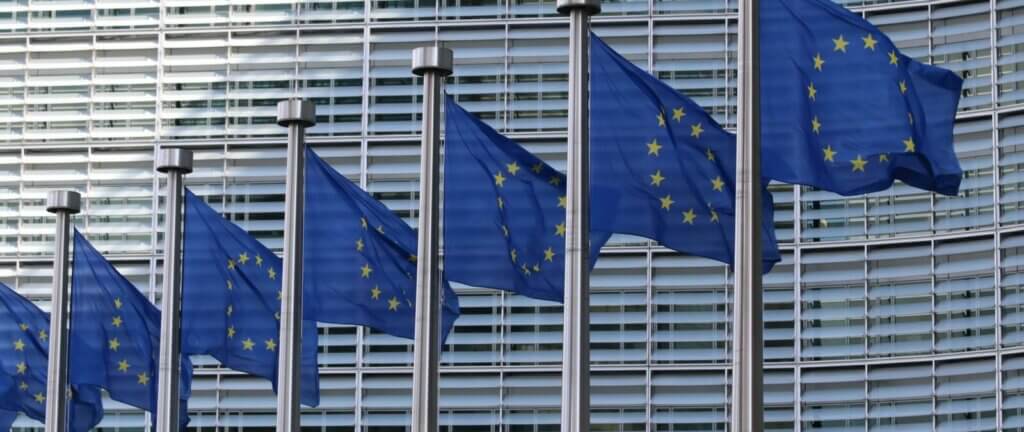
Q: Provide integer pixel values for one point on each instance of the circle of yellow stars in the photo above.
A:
(242, 261)
(525, 266)
(657, 178)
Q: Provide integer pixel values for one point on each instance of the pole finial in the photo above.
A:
(174, 159)
(427, 59)
(63, 201)
(295, 110)
(590, 7)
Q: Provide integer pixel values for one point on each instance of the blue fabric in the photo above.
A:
(24, 344)
(115, 331)
(359, 258)
(504, 212)
(230, 300)
(843, 110)
(661, 167)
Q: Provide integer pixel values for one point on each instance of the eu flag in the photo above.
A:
(231, 302)
(843, 110)
(359, 258)
(504, 212)
(661, 167)
(24, 343)
(115, 331)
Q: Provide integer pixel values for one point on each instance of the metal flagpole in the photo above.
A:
(296, 115)
(433, 64)
(576, 310)
(748, 346)
(175, 163)
(64, 204)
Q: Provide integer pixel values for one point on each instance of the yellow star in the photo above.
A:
(393, 304)
(259, 260)
(43, 336)
(678, 114)
(893, 58)
(501, 203)
(717, 184)
(362, 222)
(709, 154)
(122, 366)
(23, 326)
(555, 180)
(504, 229)
(412, 258)
(812, 92)
(536, 268)
(143, 378)
(21, 368)
(859, 164)
(661, 119)
(243, 258)
(666, 202)
(375, 293)
(231, 264)
(117, 303)
(499, 179)
(563, 201)
(818, 62)
(247, 344)
(657, 178)
(840, 44)
(537, 167)
(514, 254)
(231, 331)
(549, 254)
(39, 398)
(714, 215)
(830, 155)
(909, 145)
(114, 344)
(560, 229)
(23, 386)
(380, 229)
(359, 245)
(653, 148)
(231, 285)
(696, 130)
(19, 345)
(911, 117)
(366, 270)
(884, 157)
(816, 125)
(271, 273)
(513, 168)
(689, 216)
(526, 270)
(270, 345)
(231, 310)
(116, 321)
(279, 294)
(869, 42)
(903, 87)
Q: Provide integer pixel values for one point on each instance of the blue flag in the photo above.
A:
(661, 167)
(504, 215)
(843, 110)
(231, 300)
(24, 344)
(115, 331)
(359, 258)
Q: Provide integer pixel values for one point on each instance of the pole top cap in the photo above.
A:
(589, 7)
(432, 59)
(63, 201)
(174, 159)
(296, 110)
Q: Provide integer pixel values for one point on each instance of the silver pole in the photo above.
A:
(64, 204)
(433, 64)
(576, 310)
(296, 115)
(748, 346)
(175, 163)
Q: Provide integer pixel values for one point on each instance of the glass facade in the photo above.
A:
(894, 311)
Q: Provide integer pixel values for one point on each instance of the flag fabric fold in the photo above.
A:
(115, 333)
(359, 260)
(24, 347)
(843, 110)
(661, 167)
(231, 300)
(504, 212)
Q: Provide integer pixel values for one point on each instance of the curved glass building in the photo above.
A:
(895, 311)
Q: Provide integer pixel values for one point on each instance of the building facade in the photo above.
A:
(895, 311)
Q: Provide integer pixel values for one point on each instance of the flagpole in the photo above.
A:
(748, 327)
(176, 163)
(296, 115)
(433, 64)
(576, 310)
(63, 203)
